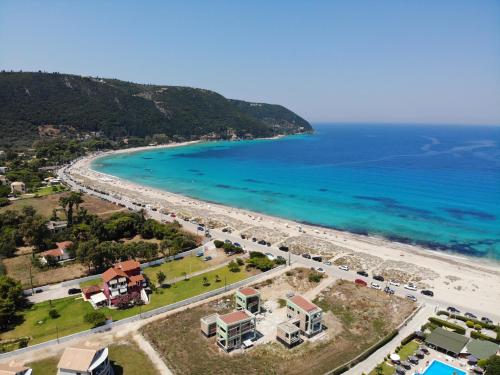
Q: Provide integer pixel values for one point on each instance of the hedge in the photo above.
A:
(408, 338)
(444, 323)
(464, 319)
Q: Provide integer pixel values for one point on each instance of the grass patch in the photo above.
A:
(92, 282)
(37, 324)
(175, 268)
(408, 350)
(44, 366)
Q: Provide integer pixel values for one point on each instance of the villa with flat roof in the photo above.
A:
(209, 324)
(304, 314)
(248, 299)
(234, 328)
(288, 334)
(84, 360)
(14, 368)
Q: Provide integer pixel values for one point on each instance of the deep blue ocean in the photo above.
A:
(438, 186)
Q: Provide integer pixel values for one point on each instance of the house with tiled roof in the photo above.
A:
(59, 253)
(124, 279)
(304, 314)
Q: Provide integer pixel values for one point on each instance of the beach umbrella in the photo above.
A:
(471, 359)
(394, 357)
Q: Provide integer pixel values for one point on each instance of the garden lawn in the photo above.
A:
(175, 268)
(37, 324)
(405, 351)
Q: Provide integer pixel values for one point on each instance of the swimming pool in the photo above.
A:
(440, 368)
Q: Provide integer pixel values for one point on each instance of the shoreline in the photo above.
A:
(450, 271)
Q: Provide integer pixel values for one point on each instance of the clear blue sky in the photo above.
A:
(434, 61)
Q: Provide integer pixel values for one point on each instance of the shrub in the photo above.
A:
(480, 336)
(469, 323)
(240, 261)
(315, 277)
(233, 266)
(289, 273)
(478, 327)
(280, 261)
(218, 244)
(408, 338)
(96, 318)
(282, 302)
(54, 314)
(256, 254)
(444, 323)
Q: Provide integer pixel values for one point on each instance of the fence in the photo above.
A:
(148, 314)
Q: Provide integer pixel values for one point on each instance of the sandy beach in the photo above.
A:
(473, 282)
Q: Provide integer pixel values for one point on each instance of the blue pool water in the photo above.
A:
(440, 368)
(438, 186)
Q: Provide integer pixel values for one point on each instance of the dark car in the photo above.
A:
(38, 291)
(262, 242)
(307, 256)
(74, 291)
(453, 310)
(254, 239)
(470, 315)
(378, 278)
(388, 290)
(362, 273)
(317, 258)
(284, 248)
(268, 243)
(427, 292)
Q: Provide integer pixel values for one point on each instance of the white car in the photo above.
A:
(375, 285)
(411, 286)
(320, 270)
(394, 283)
(344, 268)
(327, 263)
(269, 256)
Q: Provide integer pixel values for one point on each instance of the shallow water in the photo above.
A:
(438, 186)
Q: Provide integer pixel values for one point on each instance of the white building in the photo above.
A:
(84, 360)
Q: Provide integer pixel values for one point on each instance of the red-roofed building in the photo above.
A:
(304, 314)
(234, 328)
(59, 253)
(248, 299)
(123, 280)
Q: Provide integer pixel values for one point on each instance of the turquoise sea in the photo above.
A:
(438, 186)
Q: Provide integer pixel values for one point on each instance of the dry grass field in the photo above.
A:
(355, 317)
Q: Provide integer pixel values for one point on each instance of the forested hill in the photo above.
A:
(49, 105)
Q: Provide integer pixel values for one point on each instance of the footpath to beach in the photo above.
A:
(455, 279)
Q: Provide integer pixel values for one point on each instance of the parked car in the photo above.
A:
(411, 297)
(360, 282)
(427, 292)
(207, 258)
(486, 320)
(261, 242)
(269, 256)
(453, 310)
(344, 268)
(362, 273)
(268, 244)
(411, 286)
(327, 263)
(470, 315)
(320, 270)
(200, 228)
(389, 290)
(227, 241)
(74, 291)
(378, 278)
(317, 258)
(199, 253)
(307, 256)
(279, 257)
(237, 244)
(375, 285)
(38, 291)
(254, 239)
(284, 248)
(394, 283)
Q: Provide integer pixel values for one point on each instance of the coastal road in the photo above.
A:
(439, 302)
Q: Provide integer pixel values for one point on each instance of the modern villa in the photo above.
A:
(84, 360)
(304, 314)
(248, 299)
(288, 334)
(234, 329)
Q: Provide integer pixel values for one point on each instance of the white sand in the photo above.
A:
(465, 281)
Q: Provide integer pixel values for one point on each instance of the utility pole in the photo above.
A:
(225, 284)
(31, 282)
(289, 259)
(57, 334)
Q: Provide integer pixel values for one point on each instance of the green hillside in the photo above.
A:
(50, 105)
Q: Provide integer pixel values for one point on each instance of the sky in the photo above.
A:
(422, 61)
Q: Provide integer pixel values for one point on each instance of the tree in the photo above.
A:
(160, 276)
(217, 279)
(184, 274)
(493, 366)
(54, 314)
(67, 202)
(11, 299)
(34, 230)
(233, 266)
(7, 246)
(96, 318)
(205, 281)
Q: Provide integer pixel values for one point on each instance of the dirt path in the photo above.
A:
(152, 354)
